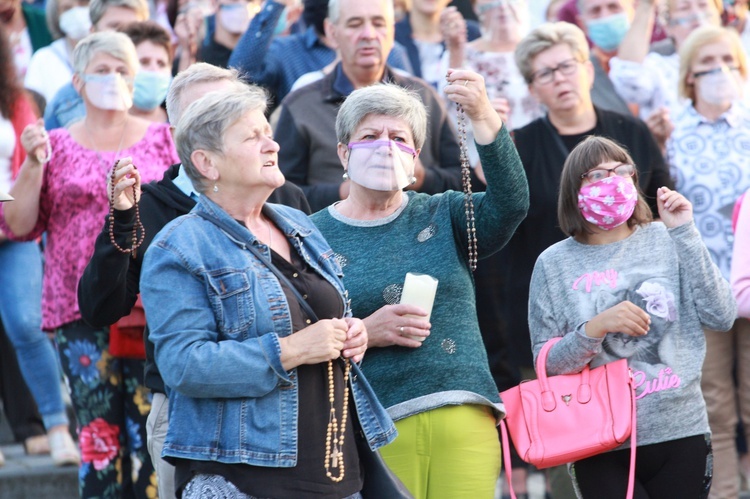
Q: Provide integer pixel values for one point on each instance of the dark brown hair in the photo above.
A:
(141, 31)
(10, 88)
(590, 153)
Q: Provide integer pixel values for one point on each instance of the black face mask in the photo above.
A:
(315, 13)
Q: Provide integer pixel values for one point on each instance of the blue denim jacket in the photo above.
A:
(66, 107)
(216, 314)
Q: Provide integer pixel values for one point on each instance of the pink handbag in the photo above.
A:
(561, 419)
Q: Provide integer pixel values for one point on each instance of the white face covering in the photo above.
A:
(109, 91)
(719, 86)
(235, 18)
(75, 23)
(381, 165)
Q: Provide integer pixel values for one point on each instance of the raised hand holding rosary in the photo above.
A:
(471, 230)
(138, 225)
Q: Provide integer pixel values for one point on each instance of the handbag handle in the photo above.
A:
(549, 401)
(541, 369)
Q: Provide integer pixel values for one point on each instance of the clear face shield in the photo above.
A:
(720, 85)
(381, 165)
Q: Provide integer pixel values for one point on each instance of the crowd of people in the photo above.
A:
(210, 207)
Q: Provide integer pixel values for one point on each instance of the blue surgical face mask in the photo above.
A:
(281, 24)
(150, 89)
(608, 32)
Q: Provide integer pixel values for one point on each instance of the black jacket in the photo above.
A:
(109, 286)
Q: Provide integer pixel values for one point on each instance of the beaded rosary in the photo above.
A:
(471, 230)
(335, 434)
(136, 242)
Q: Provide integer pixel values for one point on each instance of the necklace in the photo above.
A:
(270, 237)
(96, 148)
(335, 434)
(471, 230)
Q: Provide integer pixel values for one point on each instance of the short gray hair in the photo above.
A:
(116, 44)
(97, 8)
(334, 9)
(199, 72)
(385, 99)
(546, 36)
(206, 120)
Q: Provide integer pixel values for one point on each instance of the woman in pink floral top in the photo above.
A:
(67, 199)
(492, 56)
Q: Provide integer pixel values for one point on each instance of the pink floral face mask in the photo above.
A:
(608, 203)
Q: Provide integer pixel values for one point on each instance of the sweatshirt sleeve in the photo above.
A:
(712, 294)
(740, 274)
(575, 350)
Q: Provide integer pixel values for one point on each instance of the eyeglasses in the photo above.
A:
(547, 75)
(689, 20)
(484, 8)
(597, 174)
(720, 69)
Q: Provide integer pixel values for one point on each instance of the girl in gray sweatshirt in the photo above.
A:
(624, 286)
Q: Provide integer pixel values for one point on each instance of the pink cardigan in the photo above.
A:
(740, 274)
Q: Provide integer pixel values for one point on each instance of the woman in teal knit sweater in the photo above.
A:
(432, 375)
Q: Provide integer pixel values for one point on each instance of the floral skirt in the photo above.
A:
(111, 405)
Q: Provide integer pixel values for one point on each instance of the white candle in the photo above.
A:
(419, 290)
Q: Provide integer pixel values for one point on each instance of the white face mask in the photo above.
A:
(719, 86)
(75, 23)
(381, 165)
(234, 18)
(109, 91)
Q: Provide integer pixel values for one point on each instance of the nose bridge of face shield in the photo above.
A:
(375, 146)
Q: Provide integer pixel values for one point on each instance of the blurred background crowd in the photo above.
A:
(668, 79)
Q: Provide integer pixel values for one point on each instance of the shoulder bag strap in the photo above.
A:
(282, 279)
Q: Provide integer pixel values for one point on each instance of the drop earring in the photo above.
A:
(216, 187)
(345, 176)
(413, 180)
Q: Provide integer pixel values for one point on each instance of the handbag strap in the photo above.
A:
(235, 233)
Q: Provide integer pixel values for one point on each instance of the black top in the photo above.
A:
(543, 155)
(109, 286)
(216, 54)
(308, 478)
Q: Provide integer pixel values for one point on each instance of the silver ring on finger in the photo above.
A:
(401, 330)
(466, 83)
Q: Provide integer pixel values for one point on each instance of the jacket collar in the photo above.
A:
(337, 86)
(310, 38)
(240, 234)
(689, 117)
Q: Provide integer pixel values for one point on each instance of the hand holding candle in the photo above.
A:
(419, 290)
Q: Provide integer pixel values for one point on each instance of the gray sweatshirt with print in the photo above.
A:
(666, 272)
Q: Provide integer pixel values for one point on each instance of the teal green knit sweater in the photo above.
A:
(428, 235)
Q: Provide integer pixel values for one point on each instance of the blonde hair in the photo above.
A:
(698, 39)
(546, 36)
(116, 44)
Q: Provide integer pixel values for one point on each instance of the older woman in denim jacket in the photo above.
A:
(264, 400)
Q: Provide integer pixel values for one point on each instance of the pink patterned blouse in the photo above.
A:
(72, 208)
